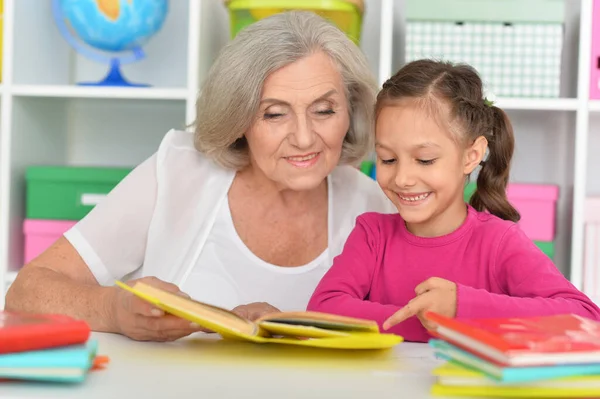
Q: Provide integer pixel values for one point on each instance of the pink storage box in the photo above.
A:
(537, 205)
(591, 248)
(40, 234)
(595, 56)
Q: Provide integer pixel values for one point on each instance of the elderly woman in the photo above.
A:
(245, 213)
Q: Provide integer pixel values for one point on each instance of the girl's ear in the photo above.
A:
(474, 154)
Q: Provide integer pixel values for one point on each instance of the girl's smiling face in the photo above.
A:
(421, 166)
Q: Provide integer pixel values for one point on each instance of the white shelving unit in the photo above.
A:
(45, 118)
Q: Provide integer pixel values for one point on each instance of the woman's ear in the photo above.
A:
(474, 154)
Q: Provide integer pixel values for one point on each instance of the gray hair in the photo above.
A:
(231, 93)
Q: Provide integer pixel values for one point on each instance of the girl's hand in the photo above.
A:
(141, 321)
(434, 294)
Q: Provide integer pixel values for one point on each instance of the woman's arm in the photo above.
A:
(59, 281)
(75, 275)
(112, 236)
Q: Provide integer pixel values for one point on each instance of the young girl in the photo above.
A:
(433, 129)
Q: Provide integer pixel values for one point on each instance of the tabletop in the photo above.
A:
(204, 366)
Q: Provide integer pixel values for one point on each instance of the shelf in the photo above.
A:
(149, 93)
(10, 277)
(542, 104)
(594, 105)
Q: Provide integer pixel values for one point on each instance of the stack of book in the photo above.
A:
(549, 356)
(46, 348)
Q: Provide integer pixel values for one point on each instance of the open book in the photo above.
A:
(295, 328)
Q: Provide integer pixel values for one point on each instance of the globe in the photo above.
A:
(115, 29)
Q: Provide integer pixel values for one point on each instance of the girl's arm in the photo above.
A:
(344, 290)
(531, 285)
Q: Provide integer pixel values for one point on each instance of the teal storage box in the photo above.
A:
(515, 45)
(68, 192)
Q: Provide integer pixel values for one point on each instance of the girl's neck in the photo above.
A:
(442, 224)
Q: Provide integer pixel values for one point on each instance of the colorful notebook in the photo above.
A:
(512, 375)
(66, 364)
(453, 380)
(24, 332)
(293, 328)
(528, 341)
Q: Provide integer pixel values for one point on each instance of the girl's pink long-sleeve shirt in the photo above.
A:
(498, 270)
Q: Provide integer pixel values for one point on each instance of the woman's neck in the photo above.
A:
(272, 194)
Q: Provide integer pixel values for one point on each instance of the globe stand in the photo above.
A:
(114, 77)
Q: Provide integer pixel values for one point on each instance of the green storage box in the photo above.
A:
(68, 192)
(546, 247)
(469, 190)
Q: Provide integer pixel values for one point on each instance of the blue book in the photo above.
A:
(62, 364)
(511, 375)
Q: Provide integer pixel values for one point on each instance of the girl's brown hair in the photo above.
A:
(459, 86)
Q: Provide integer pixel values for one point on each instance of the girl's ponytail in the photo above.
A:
(493, 176)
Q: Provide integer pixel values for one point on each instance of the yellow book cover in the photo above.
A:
(294, 328)
(454, 380)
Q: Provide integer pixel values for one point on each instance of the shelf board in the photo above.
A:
(73, 91)
(10, 277)
(542, 104)
(594, 105)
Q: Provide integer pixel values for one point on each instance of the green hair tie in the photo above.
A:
(488, 103)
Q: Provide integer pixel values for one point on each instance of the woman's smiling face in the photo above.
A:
(296, 139)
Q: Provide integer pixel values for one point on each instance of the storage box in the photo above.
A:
(591, 255)
(346, 14)
(369, 169)
(537, 205)
(41, 234)
(67, 192)
(366, 167)
(515, 45)
(546, 247)
(595, 56)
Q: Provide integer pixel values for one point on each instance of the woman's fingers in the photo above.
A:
(141, 307)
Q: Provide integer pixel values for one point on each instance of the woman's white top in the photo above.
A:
(170, 218)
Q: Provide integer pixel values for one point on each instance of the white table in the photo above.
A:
(203, 366)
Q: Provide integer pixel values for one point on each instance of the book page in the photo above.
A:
(321, 320)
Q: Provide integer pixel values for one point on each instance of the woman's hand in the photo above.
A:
(141, 321)
(434, 294)
(255, 310)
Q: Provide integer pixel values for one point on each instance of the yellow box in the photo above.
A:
(345, 14)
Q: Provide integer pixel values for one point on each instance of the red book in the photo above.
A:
(21, 332)
(524, 341)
